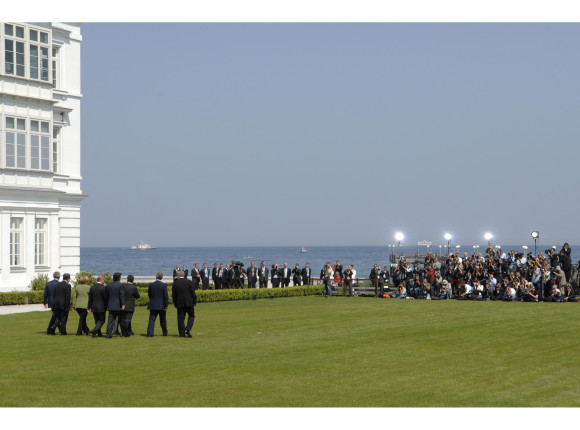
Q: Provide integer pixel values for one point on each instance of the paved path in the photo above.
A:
(17, 309)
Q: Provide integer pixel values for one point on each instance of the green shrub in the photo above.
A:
(39, 282)
(203, 296)
(21, 298)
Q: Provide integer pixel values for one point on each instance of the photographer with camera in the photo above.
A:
(296, 275)
(275, 276)
(238, 274)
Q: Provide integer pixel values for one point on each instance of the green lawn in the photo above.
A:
(305, 351)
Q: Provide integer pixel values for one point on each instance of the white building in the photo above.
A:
(40, 151)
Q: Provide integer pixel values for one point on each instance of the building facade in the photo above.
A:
(40, 158)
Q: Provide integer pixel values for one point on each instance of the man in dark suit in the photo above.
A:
(226, 277)
(263, 275)
(306, 274)
(131, 293)
(285, 275)
(184, 299)
(158, 303)
(195, 276)
(252, 275)
(220, 278)
(205, 274)
(115, 299)
(185, 271)
(214, 275)
(49, 298)
(61, 304)
(98, 305)
(175, 271)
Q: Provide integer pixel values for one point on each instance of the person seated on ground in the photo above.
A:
(530, 294)
(400, 292)
(413, 287)
(488, 290)
(465, 291)
(499, 291)
(570, 295)
(555, 295)
(425, 290)
(509, 294)
(436, 285)
(445, 292)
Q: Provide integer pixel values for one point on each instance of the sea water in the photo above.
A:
(164, 259)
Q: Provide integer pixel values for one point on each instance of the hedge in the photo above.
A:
(203, 296)
(21, 298)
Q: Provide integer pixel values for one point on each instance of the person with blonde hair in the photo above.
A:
(81, 304)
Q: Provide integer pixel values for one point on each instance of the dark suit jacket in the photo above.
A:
(158, 296)
(194, 277)
(297, 274)
(263, 277)
(183, 293)
(97, 302)
(49, 292)
(252, 272)
(214, 273)
(288, 273)
(131, 293)
(115, 296)
(185, 273)
(306, 274)
(62, 296)
(205, 273)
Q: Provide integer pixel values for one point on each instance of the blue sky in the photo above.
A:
(328, 134)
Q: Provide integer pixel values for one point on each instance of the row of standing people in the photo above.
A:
(118, 299)
(236, 276)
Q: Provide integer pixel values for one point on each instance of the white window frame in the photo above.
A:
(40, 241)
(16, 241)
(24, 65)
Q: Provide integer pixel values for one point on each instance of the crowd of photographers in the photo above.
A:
(492, 275)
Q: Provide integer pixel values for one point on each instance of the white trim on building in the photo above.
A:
(40, 144)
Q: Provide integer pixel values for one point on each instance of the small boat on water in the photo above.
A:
(142, 246)
(302, 250)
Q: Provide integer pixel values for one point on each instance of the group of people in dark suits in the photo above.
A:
(235, 276)
(118, 299)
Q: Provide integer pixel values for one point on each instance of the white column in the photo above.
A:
(53, 243)
(28, 242)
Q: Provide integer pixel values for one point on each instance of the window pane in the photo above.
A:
(33, 62)
(10, 150)
(34, 152)
(34, 126)
(19, 58)
(21, 151)
(45, 153)
(34, 35)
(20, 32)
(9, 56)
(44, 64)
(8, 30)
(21, 124)
(43, 37)
(44, 127)
(9, 122)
